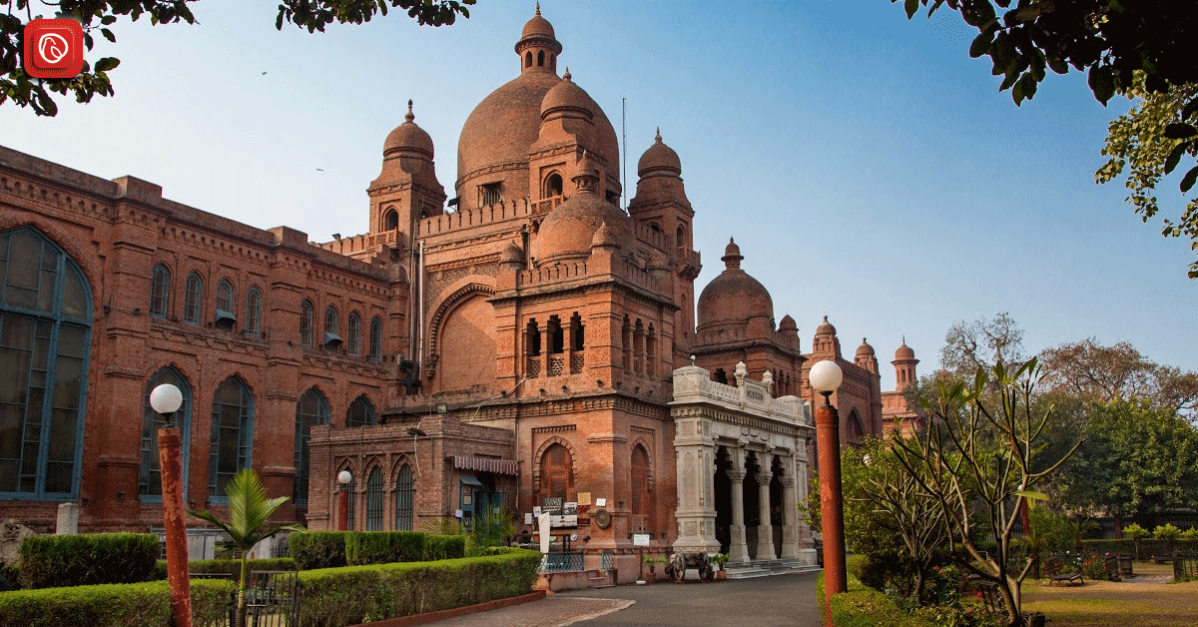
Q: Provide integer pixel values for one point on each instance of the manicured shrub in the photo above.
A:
(9, 577)
(338, 597)
(318, 549)
(438, 547)
(144, 604)
(383, 547)
(231, 567)
(88, 559)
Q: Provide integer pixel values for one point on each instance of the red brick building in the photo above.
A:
(515, 343)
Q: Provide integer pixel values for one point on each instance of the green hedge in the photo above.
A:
(87, 559)
(232, 567)
(438, 547)
(318, 549)
(862, 606)
(114, 605)
(383, 547)
(1148, 546)
(338, 597)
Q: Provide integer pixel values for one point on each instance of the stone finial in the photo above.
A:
(657, 139)
(538, 8)
(409, 116)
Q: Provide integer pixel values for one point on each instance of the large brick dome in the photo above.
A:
(734, 296)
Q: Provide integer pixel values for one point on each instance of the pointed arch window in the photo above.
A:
(45, 328)
(149, 477)
(230, 448)
(527, 59)
(361, 413)
(557, 475)
(225, 319)
(306, 323)
(311, 410)
(253, 312)
(391, 220)
(640, 480)
(353, 504)
(405, 498)
(374, 500)
(376, 340)
(553, 185)
(332, 335)
(193, 299)
(160, 291)
(354, 331)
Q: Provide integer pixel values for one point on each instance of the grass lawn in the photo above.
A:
(1108, 603)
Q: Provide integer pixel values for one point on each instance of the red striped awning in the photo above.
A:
(482, 464)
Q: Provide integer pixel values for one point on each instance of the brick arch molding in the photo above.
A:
(536, 461)
(456, 297)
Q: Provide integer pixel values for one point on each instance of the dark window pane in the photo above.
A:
(8, 475)
(67, 383)
(62, 435)
(74, 297)
(45, 296)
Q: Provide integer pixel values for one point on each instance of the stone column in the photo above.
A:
(696, 503)
(739, 549)
(790, 528)
(765, 532)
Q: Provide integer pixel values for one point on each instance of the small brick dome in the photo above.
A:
(408, 138)
(865, 350)
(569, 230)
(904, 352)
(788, 324)
(659, 160)
(825, 328)
(734, 296)
(567, 97)
(537, 27)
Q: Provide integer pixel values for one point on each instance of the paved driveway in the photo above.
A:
(781, 601)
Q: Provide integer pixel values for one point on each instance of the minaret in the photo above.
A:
(904, 367)
(407, 188)
(538, 46)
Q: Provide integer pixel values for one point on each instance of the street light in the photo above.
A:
(825, 378)
(166, 399)
(343, 478)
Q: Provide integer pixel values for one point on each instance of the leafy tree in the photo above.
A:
(979, 458)
(1110, 39)
(1136, 460)
(1150, 141)
(1136, 533)
(1093, 372)
(981, 344)
(97, 16)
(249, 510)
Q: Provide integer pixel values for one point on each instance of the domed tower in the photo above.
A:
(663, 212)
(407, 189)
(494, 147)
(568, 232)
(866, 357)
(826, 343)
(904, 366)
(734, 306)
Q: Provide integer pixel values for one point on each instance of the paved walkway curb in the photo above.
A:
(428, 617)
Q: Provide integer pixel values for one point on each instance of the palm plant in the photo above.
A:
(249, 510)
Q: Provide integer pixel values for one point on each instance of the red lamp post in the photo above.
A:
(343, 478)
(825, 378)
(166, 400)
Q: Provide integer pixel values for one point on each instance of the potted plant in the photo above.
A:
(718, 560)
(651, 576)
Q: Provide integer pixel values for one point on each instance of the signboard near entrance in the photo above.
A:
(640, 539)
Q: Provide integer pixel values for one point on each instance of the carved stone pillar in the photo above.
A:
(739, 549)
(695, 453)
(765, 532)
(790, 528)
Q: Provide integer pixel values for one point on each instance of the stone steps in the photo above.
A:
(766, 568)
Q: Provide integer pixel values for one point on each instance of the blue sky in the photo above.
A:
(869, 169)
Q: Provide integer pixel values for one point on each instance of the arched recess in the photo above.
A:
(376, 493)
(449, 302)
(464, 331)
(149, 476)
(312, 409)
(855, 429)
(641, 499)
(540, 455)
(648, 446)
(351, 488)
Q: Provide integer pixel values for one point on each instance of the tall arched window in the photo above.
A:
(405, 497)
(311, 410)
(45, 323)
(527, 59)
(253, 312)
(353, 504)
(855, 429)
(640, 481)
(391, 220)
(557, 475)
(376, 340)
(332, 335)
(149, 477)
(361, 413)
(553, 185)
(306, 323)
(374, 500)
(193, 299)
(232, 435)
(160, 291)
(225, 318)
(680, 240)
(354, 331)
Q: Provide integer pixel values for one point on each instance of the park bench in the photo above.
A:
(1067, 578)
